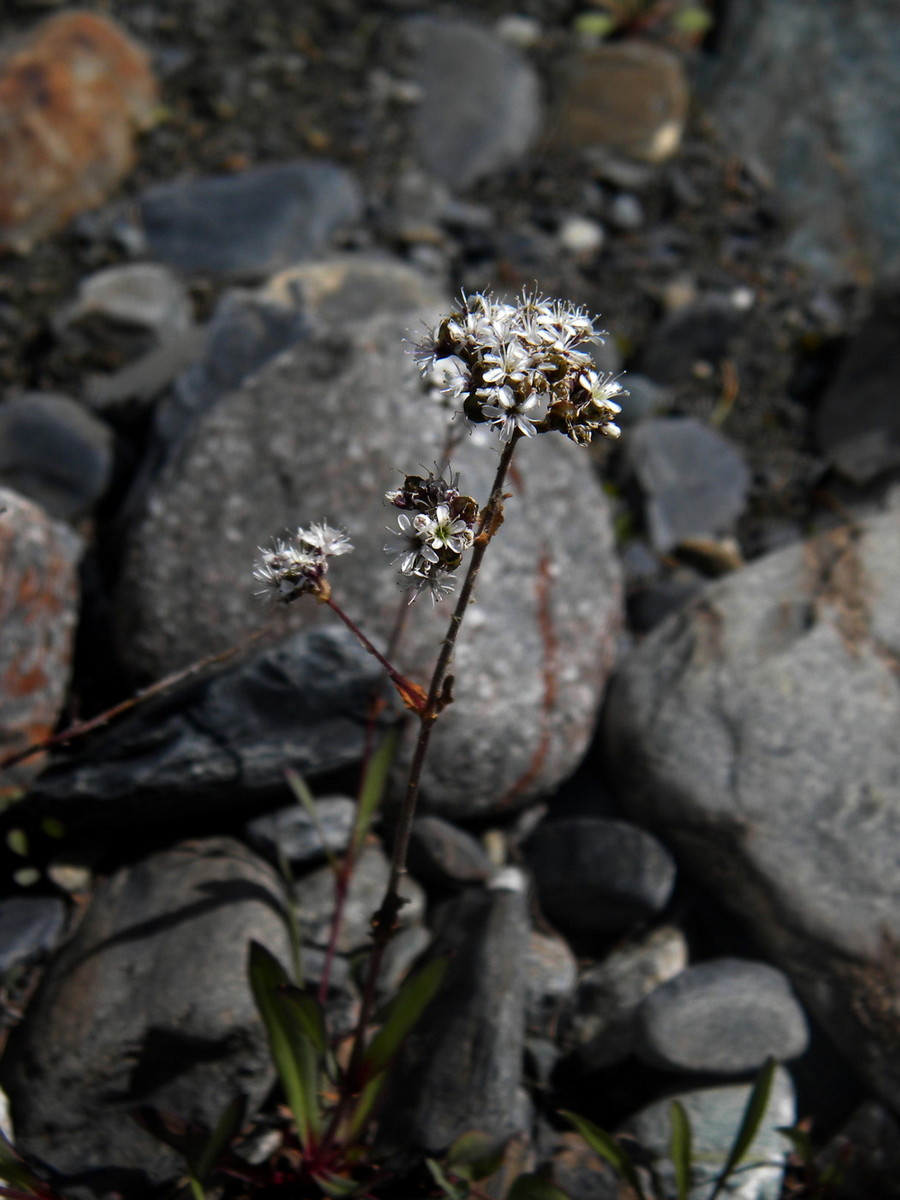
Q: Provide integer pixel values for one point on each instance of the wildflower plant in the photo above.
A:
(519, 370)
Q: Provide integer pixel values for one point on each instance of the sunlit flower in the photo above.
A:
(297, 566)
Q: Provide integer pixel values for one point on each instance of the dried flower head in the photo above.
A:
(297, 566)
(521, 368)
(434, 530)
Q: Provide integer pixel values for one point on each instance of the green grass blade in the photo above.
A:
(609, 1149)
(293, 1054)
(372, 787)
(307, 800)
(449, 1189)
(227, 1127)
(404, 1011)
(476, 1155)
(606, 1146)
(307, 1013)
(681, 1148)
(757, 1104)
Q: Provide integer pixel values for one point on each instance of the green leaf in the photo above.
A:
(53, 827)
(17, 841)
(372, 787)
(535, 1187)
(680, 1148)
(227, 1127)
(452, 1191)
(293, 1054)
(307, 800)
(608, 1148)
(475, 1155)
(416, 993)
(307, 1012)
(757, 1104)
(800, 1140)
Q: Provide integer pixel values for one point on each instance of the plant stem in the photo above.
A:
(412, 695)
(385, 919)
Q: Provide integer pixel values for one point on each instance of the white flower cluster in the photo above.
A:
(520, 369)
(434, 531)
(295, 566)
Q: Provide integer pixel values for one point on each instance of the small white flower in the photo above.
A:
(442, 531)
(407, 546)
(321, 538)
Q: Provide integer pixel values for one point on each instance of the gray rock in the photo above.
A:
(700, 331)
(143, 296)
(551, 973)
(292, 833)
(824, 126)
(461, 1066)
(480, 107)
(757, 732)
(220, 745)
(645, 399)
(582, 1174)
(39, 600)
(321, 433)
(315, 901)
(55, 452)
(118, 1020)
(251, 224)
(695, 482)
(715, 1116)
(444, 854)
(724, 1017)
(29, 927)
(598, 1026)
(864, 445)
(600, 877)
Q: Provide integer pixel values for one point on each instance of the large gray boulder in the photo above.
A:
(809, 94)
(321, 432)
(758, 733)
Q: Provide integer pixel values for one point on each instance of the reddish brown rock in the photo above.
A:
(72, 94)
(38, 610)
(630, 98)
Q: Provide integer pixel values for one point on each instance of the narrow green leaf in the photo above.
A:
(227, 1127)
(692, 20)
(608, 1148)
(293, 1054)
(416, 993)
(681, 1148)
(307, 1012)
(196, 1187)
(304, 797)
(449, 1189)
(594, 25)
(535, 1187)
(757, 1104)
(475, 1155)
(371, 789)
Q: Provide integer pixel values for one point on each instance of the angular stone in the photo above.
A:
(55, 452)
(250, 224)
(480, 107)
(757, 732)
(630, 98)
(715, 1116)
(461, 1066)
(220, 745)
(724, 1017)
(695, 481)
(133, 296)
(72, 94)
(596, 876)
(147, 1004)
(38, 609)
(321, 432)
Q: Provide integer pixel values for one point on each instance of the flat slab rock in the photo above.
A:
(758, 732)
(321, 432)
